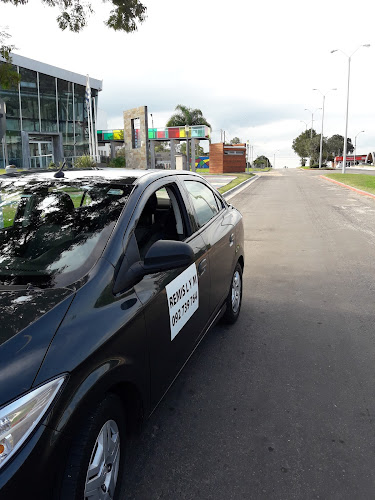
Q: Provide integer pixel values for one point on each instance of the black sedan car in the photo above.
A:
(108, 281)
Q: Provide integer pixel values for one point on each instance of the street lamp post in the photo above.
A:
(347, 102)
(355, 145)
(312, 119)
(305, 124)
(321, 134)
(311, 131)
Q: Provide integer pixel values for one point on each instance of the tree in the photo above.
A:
(8, 76)
(160, 147)
(262, 162)
(302, 144)
(74, 14)
(335, 146)
(235, 140)
(186, 116)
(198, 150)
(307, 145)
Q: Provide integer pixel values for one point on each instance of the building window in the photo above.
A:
(48, 112)
(236, 153)
(65, 103)
(29, 100)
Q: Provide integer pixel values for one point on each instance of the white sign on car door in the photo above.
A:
(183, 299)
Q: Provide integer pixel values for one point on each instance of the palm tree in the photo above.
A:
(187, 116)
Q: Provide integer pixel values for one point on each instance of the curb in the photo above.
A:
(239, 186)
(359, 191)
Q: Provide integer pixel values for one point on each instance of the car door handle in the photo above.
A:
(202, 267)
(231, 239)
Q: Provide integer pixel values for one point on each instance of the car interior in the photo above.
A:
(160, 220)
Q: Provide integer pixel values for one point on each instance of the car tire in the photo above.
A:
(95, 460)
(234, 299)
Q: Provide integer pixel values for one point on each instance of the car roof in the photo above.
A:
(124, 175)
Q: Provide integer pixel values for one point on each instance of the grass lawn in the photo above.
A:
(256, 170)
(359, 181)
(239, 178)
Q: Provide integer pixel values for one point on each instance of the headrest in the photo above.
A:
(56, 206)
(152, 203)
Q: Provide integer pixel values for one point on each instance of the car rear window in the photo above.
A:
(52, 233)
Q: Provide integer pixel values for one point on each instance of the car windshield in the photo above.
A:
(52, 232)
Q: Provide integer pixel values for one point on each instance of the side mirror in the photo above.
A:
(167, 254)
(163, 255)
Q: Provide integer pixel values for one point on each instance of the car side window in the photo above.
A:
(161, 219)
(203, 200)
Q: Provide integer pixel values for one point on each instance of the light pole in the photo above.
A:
(311, 131)
(152, 120)
(304, 123)
(355, 145)
(347, 102)
(321, 134)
(312, 119)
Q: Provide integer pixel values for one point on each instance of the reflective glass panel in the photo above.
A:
(48, 111)
(51, 233)
(203, 200)
(65, 102)
(11, 99)
(29, 100)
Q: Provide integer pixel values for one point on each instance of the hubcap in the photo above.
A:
(236, 292)
(104, 463)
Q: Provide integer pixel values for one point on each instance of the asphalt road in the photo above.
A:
(282, 404)
(351, 170)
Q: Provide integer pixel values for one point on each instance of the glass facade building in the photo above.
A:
(46, 115)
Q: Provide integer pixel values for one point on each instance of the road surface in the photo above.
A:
(282, 404)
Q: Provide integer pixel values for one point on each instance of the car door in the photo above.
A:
(216, 224)
(176, 302)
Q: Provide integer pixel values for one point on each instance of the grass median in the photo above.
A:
(241, 177)
(364, 182)
(238, 180)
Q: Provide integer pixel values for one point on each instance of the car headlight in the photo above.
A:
(19, 419)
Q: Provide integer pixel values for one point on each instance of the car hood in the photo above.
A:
(28, 321)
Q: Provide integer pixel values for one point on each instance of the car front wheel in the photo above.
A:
(94, 468)
(234, 298)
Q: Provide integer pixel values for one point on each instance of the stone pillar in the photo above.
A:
(152, 153)
(173, 154)
(136, 151)
(193, 142)
(113, 149)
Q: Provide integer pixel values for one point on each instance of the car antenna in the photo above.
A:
(59, 174)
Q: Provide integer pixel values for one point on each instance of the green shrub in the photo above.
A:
(84, 162)
(118, 162)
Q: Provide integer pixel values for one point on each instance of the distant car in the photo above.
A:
(108, 281)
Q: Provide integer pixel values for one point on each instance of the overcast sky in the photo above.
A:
(249, 66)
